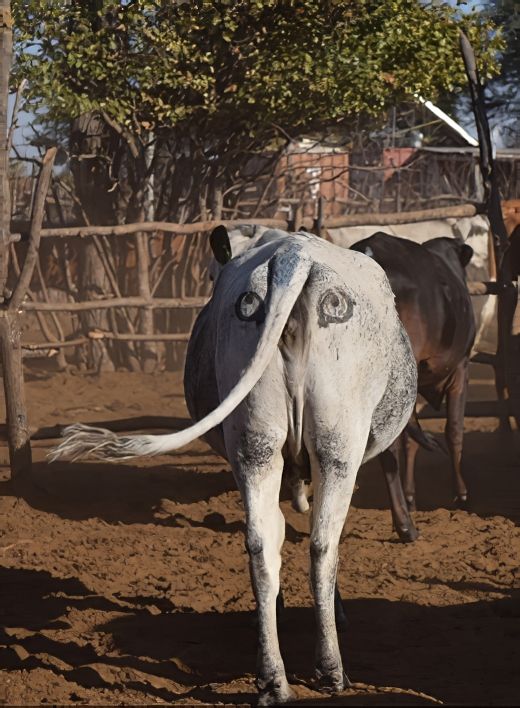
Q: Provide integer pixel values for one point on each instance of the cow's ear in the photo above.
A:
(220, 245)
(465, 254)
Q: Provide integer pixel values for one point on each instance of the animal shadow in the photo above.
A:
(115, 493)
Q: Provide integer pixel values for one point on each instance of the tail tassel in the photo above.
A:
(86, 442)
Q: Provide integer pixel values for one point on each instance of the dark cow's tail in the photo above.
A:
(422, 438)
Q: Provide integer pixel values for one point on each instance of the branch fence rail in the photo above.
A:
(54, 343)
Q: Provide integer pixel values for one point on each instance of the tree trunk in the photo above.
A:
(18, 435)
(10, 351)
(149, 351)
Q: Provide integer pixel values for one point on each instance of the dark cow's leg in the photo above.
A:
(401, 516)
(339, 611)
(410, 452)
(500, 387)
(456, 403)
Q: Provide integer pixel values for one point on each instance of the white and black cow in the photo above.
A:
(298, 362)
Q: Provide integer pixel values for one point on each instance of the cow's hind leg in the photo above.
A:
(455, 405)
(403, 523)
(258, 470)
(410, 451)
(334, 471)
(339, 610)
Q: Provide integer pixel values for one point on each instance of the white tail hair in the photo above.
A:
(290, 270)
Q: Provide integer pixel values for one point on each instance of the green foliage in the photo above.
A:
(237, 67)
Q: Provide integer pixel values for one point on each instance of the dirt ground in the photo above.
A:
(129, 583)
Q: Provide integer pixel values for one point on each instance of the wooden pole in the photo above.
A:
(507, 366)
(487, 162)
(333, 222)
(6, 42)
(38, 211)
(157, 303)
(402, 217)
(16, 412)
(10, 351)
(10, 348)
(151, 226)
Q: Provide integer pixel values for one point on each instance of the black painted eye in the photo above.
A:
(250, 307)
(334, 306)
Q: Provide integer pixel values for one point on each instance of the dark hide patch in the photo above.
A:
(334, 307)
(329, 447)
(256, 450)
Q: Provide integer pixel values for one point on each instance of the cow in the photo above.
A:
(300, 365)
(435, 308)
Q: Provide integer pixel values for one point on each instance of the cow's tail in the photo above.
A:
(289, 272)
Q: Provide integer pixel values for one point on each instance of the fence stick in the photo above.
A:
(86, 305)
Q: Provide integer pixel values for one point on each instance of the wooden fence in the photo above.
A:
(48, 310)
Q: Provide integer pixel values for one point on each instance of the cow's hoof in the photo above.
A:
(275, 693)
(410, 503)
(334, 681)
(407, 534)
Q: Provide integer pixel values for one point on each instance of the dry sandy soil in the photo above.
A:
(129, 583)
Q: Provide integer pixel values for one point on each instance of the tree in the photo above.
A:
(201, 95)
(217, 81)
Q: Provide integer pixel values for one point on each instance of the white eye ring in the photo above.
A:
(249, 306)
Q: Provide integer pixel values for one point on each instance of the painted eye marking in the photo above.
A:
(250, 307)
(334, 306)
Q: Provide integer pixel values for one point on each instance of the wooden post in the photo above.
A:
(507, 367)
(10, 351)
(487, 162)
(146, 322)
(318, 223)
(18, 432)
(6, 42)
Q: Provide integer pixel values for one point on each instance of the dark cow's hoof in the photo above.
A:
(407, 534)
(276, 693)
(332, 681)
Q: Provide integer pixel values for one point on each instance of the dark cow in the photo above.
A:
(434, 305)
